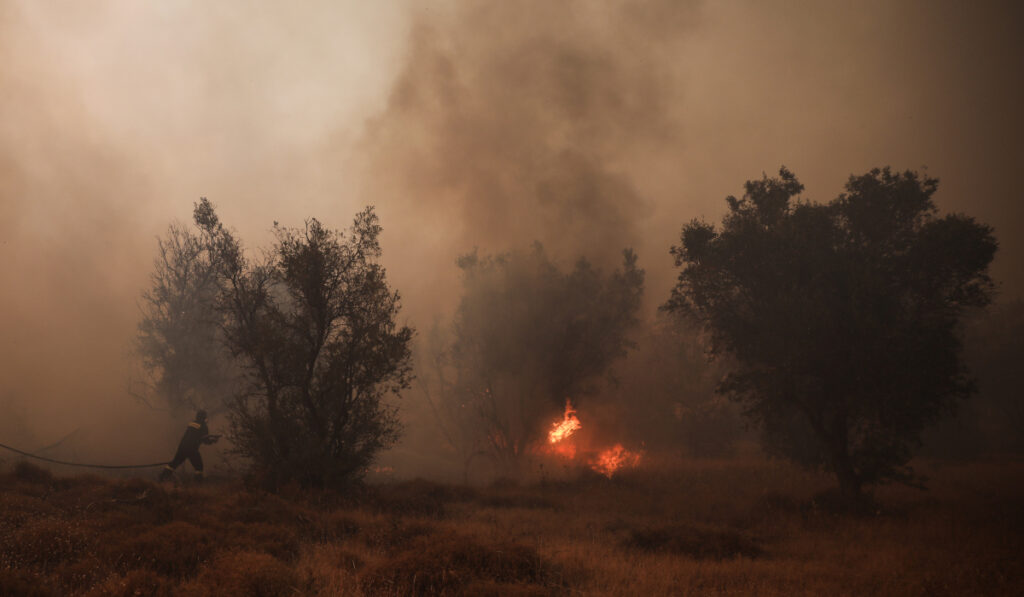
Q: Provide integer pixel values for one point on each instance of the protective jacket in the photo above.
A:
(196, 433)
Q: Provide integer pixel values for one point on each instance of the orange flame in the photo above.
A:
(563, 429)
(613, 459)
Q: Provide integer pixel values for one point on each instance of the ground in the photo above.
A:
(693, 528)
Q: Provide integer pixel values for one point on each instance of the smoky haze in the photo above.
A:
(587, 127)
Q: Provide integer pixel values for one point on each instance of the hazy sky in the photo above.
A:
(587, 126)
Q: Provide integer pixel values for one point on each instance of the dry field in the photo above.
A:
(705, 528)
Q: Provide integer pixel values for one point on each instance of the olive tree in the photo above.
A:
(178, 337)
(313, 327)
(842, 318)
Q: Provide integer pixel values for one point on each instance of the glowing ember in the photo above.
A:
(563, 429)
(614, 458)
(565, 450)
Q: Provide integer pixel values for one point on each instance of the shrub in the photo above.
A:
(44, 542)
(31, 473)
(175, 549)
(486, 588)
(244, 573)
(251, 507)
(696, 543)
(339, 525)
(77, 575)
(23, 584)
(274, 539)
(448, 564)
(419, 497)
(393, 532)
(522, 500)
(135, 583)
(17, 508)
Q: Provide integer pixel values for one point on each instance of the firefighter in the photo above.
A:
(195, 434)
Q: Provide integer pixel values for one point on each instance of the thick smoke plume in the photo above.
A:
(523, 122)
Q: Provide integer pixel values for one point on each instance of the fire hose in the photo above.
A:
(82, 464)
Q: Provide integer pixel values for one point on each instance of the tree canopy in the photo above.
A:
(178, 337)
(313, 327)
(841, 318)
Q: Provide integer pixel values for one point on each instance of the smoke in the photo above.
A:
(510, 123)
(115, 118)
(586, 126)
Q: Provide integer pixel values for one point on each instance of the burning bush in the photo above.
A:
(527, 335)
(561, 443)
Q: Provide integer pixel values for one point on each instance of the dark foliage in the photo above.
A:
(178, 338)
(313, 327)
(841, 318)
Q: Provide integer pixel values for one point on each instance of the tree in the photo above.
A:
(313, 327)
(178, 336)
(526, 337)
(842, 319)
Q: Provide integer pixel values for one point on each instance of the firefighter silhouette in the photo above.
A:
(196, 434)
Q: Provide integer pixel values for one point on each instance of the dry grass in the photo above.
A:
(702, 528)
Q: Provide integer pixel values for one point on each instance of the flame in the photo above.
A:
(606, 462)
(614, 458)
(561, 430)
